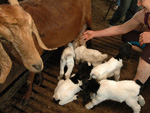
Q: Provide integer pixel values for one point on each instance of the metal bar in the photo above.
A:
(104, 18)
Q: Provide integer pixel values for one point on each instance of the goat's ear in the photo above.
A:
(80, 87)
(35, 31)
(72, 75)
(13, 2)
(89, 64)
(5, 64)
(5, 33)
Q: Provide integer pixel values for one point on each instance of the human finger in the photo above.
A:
(85, 37)
(85, 32)
(141, 41)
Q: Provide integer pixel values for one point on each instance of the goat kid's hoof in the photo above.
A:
(61, 103)
(59, 78)
(75, 97)
(87, 106)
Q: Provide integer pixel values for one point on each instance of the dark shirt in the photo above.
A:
(146, 19)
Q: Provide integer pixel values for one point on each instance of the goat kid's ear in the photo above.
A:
(90, 77)
(81, 87)
(89, 64)
(80, 82)
(72, 75)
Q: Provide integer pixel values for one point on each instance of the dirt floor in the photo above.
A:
(41, 100)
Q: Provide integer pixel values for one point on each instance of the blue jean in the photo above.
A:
(118, 2)
(127, 8)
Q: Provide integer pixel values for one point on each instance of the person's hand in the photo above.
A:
(144, 38)
(89, 34)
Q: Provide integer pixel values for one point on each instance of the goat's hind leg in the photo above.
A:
(117, 75)
(132, 102)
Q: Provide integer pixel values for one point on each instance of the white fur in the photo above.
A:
(65, 91)
(107, 69)
(92, 56)
(120, 91)
(67, 59)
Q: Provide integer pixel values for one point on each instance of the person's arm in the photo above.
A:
(144, 38)
(117, 30)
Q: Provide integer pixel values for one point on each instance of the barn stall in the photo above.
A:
(12, 91)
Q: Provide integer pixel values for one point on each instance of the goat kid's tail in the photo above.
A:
(104, 56)
(141, 100)
(56, 96)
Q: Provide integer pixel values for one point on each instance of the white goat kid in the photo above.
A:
(119, 91)
(66, 90)
(113, 66)
(107, 70)
(92, 56)
(67, 59)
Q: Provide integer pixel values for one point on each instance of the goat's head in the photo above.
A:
(17, 26)
(124, 50)
(84, 71)
(89, 86)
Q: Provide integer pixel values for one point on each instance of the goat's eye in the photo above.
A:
(3, 39)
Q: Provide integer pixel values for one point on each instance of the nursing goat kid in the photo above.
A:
(113, 66)
(67, 59)
(92, 56)
(120, 91)
(66, 90)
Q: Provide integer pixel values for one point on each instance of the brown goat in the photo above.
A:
(58, 23)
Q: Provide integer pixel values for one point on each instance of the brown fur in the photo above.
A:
(58, 23)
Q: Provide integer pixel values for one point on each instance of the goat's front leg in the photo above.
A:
(132, 102)
(28, 92)
(117, 75)
(39, 78)
(94, 102)
(62, 66)
(69, 70)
